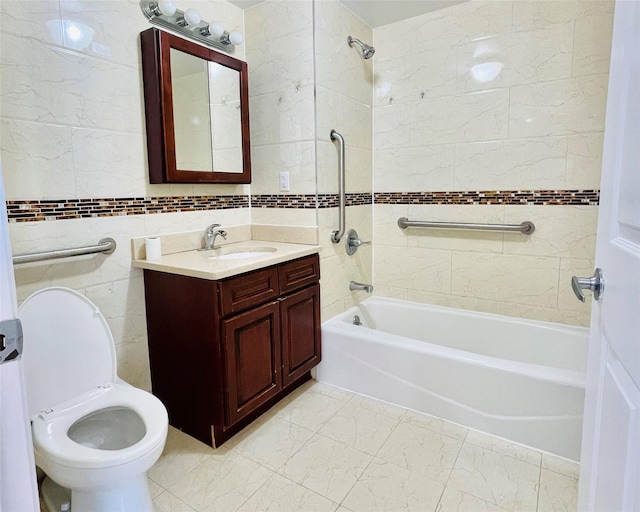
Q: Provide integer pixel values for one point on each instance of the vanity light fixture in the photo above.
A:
(189, 24)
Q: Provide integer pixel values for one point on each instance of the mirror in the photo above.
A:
(196, 110)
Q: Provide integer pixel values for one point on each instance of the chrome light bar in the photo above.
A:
(188, 24)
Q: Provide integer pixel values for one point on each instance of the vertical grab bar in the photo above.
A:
(337, 235)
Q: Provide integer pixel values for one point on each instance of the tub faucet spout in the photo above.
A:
(354, 286)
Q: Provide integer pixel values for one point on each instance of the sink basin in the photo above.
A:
(241, 253)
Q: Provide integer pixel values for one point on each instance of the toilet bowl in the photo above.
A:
(92, 432)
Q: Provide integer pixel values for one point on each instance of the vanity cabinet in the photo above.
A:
(223, 352)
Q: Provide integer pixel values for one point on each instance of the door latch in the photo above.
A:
(10, 340)
(595, 284)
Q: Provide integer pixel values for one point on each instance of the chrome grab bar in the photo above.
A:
(106, 245)
(526, 228)
(336, 236)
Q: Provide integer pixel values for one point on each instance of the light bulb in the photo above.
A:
(236, 38)
(192, 17)
(216, 29)
(167, 7)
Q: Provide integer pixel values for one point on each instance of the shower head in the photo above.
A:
(367, 51)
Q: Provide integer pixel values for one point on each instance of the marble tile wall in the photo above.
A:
(296, 99)
(344, 83)
(279, 51)
(72, 126)
(484, 96)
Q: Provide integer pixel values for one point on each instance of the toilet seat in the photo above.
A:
(68, 348)
(50, 429)
(70, 372)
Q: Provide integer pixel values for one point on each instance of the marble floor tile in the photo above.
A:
(325, 389)
(309, 410)
(422, 451)
(385, 487)
(391, 410)
(154, 488)
(270, 443)
(435, 424)
(561, 465)
(499, 479)
(325, 449)
(181, 454)
(498, 445)
(279, 494)
(222, 483)
(359, 428)
(326, 467)
(558, 493)
(454, 500)
(167, 502)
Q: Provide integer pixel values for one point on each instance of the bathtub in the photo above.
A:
(516, 379)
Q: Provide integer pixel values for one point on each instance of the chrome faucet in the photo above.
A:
(210, 236)
(354, 286)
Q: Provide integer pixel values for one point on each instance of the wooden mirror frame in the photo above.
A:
(158, 100)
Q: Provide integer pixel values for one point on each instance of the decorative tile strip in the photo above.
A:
(62, 209)
(508, 197)
(353, 199)
(308, 201)
(300, 201)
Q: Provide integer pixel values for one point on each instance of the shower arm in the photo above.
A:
(337, 235)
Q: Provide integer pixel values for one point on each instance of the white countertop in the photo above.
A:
(207, 265)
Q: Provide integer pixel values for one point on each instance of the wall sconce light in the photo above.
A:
(189, 24)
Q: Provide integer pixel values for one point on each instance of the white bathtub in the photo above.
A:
(517, 379)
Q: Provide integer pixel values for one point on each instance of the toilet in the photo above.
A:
(92, 433)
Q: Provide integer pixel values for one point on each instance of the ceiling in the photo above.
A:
(381, 12)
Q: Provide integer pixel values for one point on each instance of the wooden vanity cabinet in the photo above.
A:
(223, 352)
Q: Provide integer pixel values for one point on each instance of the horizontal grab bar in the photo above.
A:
(106, 245)
(526, 228)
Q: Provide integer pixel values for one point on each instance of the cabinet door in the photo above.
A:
(252, 360)
(300, 324)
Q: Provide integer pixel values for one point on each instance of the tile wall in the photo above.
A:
(344, 84)
(72, 127)
(280, 56)
(481, 97)
(290, 128)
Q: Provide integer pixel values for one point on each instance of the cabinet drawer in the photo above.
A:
(248, 290)
(299, 273)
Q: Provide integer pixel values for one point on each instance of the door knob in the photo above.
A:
(595, 284)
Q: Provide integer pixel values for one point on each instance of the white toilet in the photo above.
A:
(92, 432)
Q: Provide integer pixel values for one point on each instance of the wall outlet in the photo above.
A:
(284, 182)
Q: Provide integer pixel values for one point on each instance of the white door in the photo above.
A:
(610, 461)
(18, 492)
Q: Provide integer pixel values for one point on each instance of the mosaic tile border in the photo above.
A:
(309, 200)
(300, 201)
(63, 209)
(507, 197)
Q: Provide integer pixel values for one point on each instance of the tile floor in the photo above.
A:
(325, 449)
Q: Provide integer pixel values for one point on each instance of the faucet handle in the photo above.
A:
(352, 242)
(222, 233)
